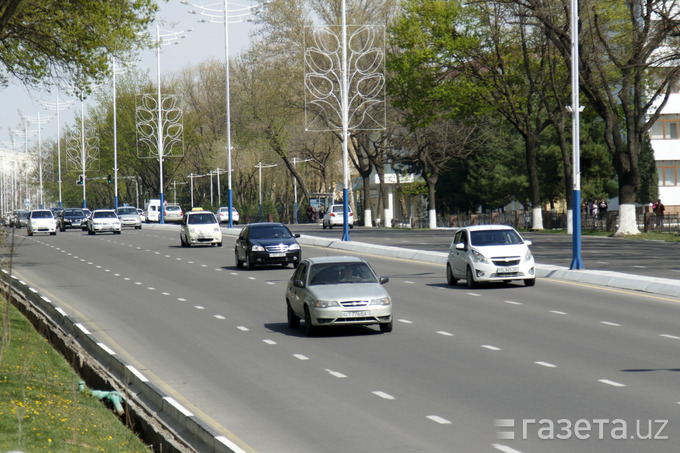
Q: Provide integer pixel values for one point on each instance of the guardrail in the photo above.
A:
(158, 419)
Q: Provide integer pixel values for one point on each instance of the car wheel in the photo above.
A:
(310, 330)
(296, 264)
(219, 244)
(471, 283)
(351, 226)
(386, 327)
(284, 265)
(30, 233)
(239, 263)
(450, 279)
(293, 320)
(249, 262)
(529, 282)
(54, 233)
(324, 226)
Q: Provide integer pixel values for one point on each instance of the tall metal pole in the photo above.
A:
(115, 140)
(82, 148)
(226, 61)
(576, 262)
(161, 217)
(345, 124)
(40, 170)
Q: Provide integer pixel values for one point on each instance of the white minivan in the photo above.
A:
(153, 210)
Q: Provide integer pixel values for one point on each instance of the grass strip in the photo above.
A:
(41, 408)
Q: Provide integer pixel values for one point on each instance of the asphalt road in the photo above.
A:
(216, 339)
(631, 256)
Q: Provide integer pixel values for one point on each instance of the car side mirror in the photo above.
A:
(299, 283)
(460, 246)
(527, 242)
(296, 235)
(383, 280)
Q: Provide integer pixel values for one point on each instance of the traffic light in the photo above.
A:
(80, 180)
(109, 179)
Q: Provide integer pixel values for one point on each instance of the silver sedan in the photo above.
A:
(337, 290)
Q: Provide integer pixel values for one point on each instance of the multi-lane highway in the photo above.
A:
(562, 367)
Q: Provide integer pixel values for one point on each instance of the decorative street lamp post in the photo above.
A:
(222, 16)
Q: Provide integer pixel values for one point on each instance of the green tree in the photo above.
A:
(68, 41)
(624, 76)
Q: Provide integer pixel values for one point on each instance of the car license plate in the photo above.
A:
(354, 314)
(508, 270)
(277, 255)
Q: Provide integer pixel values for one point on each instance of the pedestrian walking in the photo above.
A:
(659, 209)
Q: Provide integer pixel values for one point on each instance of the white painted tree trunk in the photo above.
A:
(627, 221)
(368, 221)
(387, 213)
(570, 221)
(536, 219)
(433, 219)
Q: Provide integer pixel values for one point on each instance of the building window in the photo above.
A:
(668, 172)
(666, 128)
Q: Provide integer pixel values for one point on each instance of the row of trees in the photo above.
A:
(477, 98)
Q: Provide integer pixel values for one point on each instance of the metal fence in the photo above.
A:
(551, 220)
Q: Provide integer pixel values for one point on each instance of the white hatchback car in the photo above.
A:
(489, 253)
(200, 227)
(335, 217)
(41, 221)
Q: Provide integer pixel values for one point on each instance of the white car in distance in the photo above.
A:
(103, 220)
(41, 221)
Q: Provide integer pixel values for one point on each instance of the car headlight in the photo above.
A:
(294, 247)
(381, 301)
(216, 230)
(257, 248)
(477, 256)
(326, 303)
(528, 256)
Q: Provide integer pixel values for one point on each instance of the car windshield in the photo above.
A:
(73, 212)
(104, 215)
(125, 211)
(338, 273)
(201, 219)
(495, 237)
(172, 208)
(22, 215)
(268, 232)
(42, 215)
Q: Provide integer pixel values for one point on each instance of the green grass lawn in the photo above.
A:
(41, 408)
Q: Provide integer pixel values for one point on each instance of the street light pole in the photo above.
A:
(260, 166)
(576, 262)
(213, 17)
(295, 206)
(345, 125)
(58, 107)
